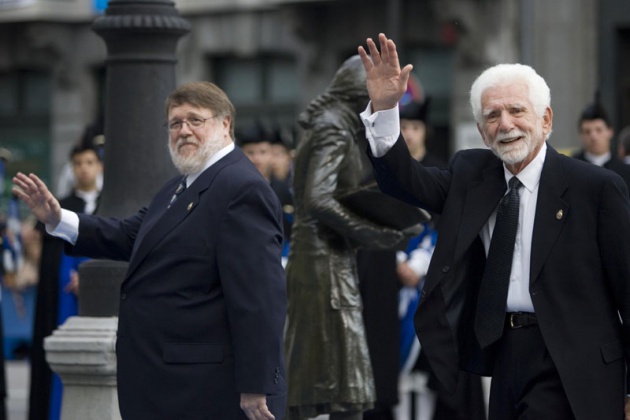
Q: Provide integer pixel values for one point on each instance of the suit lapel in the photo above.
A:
(163, 220)
(482, 197)
(551, 211)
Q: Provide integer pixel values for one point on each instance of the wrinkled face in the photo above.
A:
(596, 136)
(195, 134)
(260, 155)
(86, 167)
(510, 125)
(414, 133)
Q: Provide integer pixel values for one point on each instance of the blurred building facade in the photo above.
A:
(274, 56)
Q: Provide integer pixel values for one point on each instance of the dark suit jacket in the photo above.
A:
(580, 268)
(203, 302)
(614, 164)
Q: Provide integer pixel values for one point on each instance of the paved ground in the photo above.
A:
(17, 381)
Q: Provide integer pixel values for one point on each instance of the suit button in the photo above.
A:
(445, 269)
(275, 381)
(123, 296)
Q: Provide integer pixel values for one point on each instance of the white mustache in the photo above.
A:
(183, 140)
(512, 135)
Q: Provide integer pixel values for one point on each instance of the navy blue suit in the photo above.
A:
(203, 303)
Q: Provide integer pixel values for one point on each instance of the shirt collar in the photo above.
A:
(213, 159)
(598, 160)
(530, 175)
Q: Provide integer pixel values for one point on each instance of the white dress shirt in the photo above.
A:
(382, 131)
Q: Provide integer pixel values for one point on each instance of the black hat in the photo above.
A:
(282, 136)
(595, 111)
(91, 139)
(415, 110)
(253, 133)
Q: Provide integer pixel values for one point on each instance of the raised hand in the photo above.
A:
(386, 82)
(39, 199)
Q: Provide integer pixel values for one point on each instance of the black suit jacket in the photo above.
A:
(614, 164)
(203, 303)
(580, 268)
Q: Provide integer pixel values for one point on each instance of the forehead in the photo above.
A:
(187, 109)
(262, 145)
(592, 124)
(85, 155)
(505, 95)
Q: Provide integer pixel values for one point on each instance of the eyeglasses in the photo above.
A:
(194, 123)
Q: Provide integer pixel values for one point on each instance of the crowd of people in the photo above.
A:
(297, 304)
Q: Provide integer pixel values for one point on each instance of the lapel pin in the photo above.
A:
(559, 214)
(190, 206)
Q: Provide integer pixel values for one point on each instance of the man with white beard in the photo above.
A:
(530, 278)
(203, 302)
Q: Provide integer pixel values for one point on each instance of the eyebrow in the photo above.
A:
(489, 111)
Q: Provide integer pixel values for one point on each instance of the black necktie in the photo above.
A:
(180, 189)
(490, 317)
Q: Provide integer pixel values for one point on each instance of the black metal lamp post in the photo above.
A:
(141, 38)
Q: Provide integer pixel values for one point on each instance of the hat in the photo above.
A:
(253, 133)
(282, 136)
(595, 111)
(415, 110)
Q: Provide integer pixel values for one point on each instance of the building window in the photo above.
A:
(262, 88)
(25, 97)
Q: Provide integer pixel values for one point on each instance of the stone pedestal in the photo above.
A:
(82, 353)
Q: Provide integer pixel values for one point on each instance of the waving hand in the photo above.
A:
(386, 82)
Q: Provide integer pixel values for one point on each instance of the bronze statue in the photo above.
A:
(328, 363)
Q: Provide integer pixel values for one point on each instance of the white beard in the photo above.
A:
(512, 154)
(195, 162)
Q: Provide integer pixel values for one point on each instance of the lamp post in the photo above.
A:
(141, 38)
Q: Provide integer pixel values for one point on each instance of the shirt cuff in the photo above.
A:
(382, 129)
(68, 227)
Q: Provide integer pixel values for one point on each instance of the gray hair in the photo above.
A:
(507, 74)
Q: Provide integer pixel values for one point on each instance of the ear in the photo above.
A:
(226, 122)
(547, 122)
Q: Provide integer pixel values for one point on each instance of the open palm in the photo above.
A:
(386, 82)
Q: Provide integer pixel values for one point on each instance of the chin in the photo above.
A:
(512, 155)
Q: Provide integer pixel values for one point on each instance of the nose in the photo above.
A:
(505, 122)
(185, 129)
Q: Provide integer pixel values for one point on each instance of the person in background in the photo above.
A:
(57, 289)
(623, 141)
(528, 282)
(254, 142)
(67, 181)
(596, 135)
(281, 181)
(203, 303)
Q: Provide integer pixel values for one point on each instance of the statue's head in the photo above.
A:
(350, 85)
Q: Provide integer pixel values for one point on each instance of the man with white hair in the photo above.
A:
(532, 286)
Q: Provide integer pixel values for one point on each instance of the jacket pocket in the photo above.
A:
(192, 353)
(611, 351)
